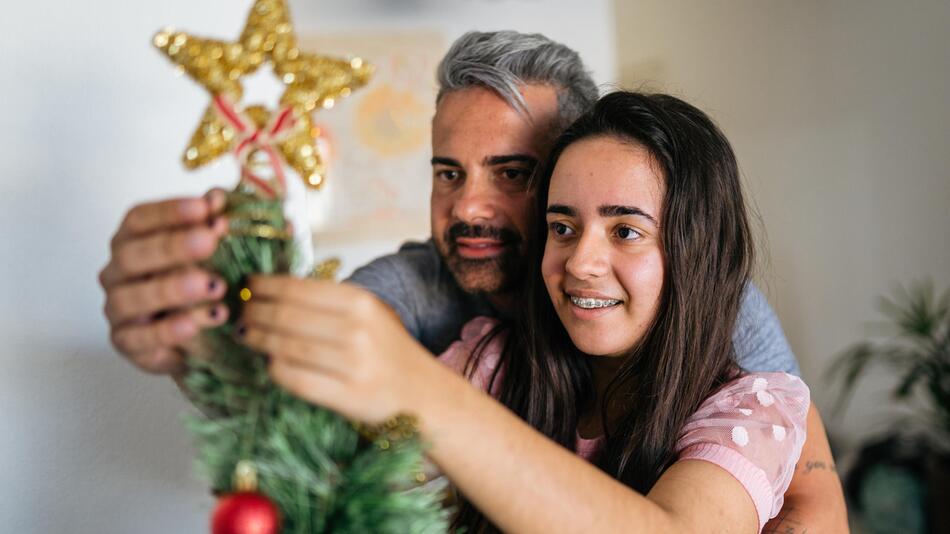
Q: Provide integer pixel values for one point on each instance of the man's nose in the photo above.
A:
(476, 201)
(590, 257)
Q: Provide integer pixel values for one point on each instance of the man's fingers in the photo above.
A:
(170, 291)
(168, 332)
(150, 336)
(168, 214)
(163, 361)
(209, 315)
(217, 199)
(162, 215)
(164, 251)
(161, 251)
(153, 216)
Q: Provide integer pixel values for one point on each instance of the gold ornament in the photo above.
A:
(396, 429)
(326, 269)
(245, 476)
(312, 81)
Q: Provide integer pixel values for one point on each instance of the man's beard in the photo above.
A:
(499, 274)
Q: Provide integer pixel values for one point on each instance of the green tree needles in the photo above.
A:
(314, 465)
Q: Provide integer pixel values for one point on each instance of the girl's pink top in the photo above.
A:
(753, 427)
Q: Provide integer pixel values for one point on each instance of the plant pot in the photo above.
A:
(938, 486)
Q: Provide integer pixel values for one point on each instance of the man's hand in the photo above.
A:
(157, 297)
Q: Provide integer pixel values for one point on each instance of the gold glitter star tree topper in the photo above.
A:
(259, 138)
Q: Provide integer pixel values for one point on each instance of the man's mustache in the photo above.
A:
(506, 236)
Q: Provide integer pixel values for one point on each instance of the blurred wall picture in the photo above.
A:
(377, 145)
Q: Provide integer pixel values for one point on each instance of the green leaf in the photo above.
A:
(919, 352)
(908, 382)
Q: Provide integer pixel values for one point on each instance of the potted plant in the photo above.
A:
(918, 353)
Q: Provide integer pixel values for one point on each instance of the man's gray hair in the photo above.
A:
(503, 60)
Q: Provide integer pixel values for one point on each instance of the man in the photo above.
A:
(503, 98)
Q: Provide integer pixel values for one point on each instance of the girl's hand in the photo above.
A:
(337, 345)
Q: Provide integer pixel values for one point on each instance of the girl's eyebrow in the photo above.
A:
(448, 162)
(620, 211)
(561, 209)
(604, 211)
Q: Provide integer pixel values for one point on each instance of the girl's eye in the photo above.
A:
(628, 234)
(560, 229)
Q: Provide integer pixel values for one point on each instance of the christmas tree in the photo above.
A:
(279, 463)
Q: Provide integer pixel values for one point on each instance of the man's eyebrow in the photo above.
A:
(620, 211)
(561, 209)
(490, 160)
(512, 158)
(438, 160)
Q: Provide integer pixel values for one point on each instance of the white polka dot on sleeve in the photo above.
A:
(740, 436)
(778, 432)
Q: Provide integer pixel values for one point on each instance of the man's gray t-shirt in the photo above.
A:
(418, 285)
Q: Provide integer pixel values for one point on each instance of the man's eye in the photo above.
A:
(560, 229)
(448, 175)
(520, 175)
(628, 234)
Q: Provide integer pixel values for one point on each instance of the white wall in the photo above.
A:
(93, 120)
(839, 115)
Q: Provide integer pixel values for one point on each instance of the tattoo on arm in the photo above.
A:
(787, 521)
(817, 465)
(783, 524)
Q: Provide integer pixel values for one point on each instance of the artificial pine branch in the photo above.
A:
(310, 462)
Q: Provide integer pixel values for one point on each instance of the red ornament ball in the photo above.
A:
(245, 513)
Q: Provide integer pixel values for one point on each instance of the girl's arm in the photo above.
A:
(338, 346)
(524, 482)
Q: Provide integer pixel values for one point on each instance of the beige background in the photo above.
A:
(840, 116)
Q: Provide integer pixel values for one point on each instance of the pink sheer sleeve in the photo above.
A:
(754, 427)
(459, 353)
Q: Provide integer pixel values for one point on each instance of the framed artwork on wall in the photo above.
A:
(377, 141)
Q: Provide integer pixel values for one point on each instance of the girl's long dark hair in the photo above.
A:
(687, 353)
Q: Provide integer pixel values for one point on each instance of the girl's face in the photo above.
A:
(603, 263)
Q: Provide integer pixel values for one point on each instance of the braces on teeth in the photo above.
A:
(593, 303)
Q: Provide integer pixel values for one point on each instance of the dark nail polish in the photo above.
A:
(215, 312)
(212, 221)
(212, 285)
(241, 330)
